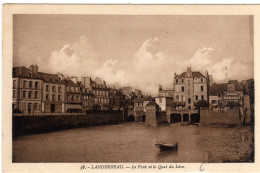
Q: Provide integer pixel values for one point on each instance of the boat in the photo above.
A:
(167, 146)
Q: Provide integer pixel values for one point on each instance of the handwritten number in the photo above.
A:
(201, 169)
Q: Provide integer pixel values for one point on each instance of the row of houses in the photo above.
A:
(192, 87)
(35, 92)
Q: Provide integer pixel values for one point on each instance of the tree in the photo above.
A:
(201, 104)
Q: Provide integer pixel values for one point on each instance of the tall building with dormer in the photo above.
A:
(190, 87)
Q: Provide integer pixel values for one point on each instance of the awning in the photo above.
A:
(72, 106)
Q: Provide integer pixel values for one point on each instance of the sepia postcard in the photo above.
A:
(130, 88)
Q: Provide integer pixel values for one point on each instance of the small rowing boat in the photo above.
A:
(167, 146)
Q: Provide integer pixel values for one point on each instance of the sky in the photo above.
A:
(135, 50)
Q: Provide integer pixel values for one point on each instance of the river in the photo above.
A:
(134, 142)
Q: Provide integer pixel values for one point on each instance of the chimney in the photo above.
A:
(34, 68)
(210, 80)
(98, 80)
(160, 87)
(86, 81)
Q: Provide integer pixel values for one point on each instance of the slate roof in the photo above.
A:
(196, 74)
(215, 89)
(70, 83)
(24, 72)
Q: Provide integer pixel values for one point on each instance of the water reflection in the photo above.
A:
(162, 154)
(135, 142)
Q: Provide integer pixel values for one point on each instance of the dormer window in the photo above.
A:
(182, 80)
(31, 74)
(176, 80)
(201, 79)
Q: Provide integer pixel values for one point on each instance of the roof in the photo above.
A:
(24, 73)
(27, 73)
(215, 89)
(152, 104)
(232, 82)
(195, 74)
(69, 82)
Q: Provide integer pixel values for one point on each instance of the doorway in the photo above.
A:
(52, 108)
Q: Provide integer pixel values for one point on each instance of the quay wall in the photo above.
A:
(47, 123)
(211, 117)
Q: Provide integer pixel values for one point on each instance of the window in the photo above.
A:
(59, 97)
(53, 97)
(182, 80)
(160, 100)
(213, 101)
(13, 93)
(177, 98)
(189, 100)
(36, 84)
(36, 94)
(182, 88)
(77, 98)
(182, 98)
(47, 88)
(202, 97)
(24, 84)
(176, 80)
(201, 88)
(24, 94)
(72, 98)
(30, 94)
(68, 97)
(201, 79)
(53, 88)
(30, 84)
(14, 83)
(35, 106)
(196, 97)
(188, 91)
(47, 96)
(59, 89)
(188, 82)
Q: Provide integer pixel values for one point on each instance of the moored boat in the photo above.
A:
(167, 146)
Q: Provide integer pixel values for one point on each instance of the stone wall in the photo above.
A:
(37, 124)
(211, 117)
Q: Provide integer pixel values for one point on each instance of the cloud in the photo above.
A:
(148, 67)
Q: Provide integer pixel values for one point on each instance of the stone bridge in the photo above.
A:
(174, 115)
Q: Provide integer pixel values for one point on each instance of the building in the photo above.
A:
(216, 92)
(228, 94)
(164, 102)
(99, 90)
(53, 93)
(27, 90)
(165, 92)
(233, 92)
(116, 99)
(87, 97)
(189, 88)
(72, 97)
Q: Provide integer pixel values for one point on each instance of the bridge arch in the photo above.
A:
(175, 117)
(143, 118)
(131, 118)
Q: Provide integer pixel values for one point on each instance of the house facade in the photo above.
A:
(189, 88)
(27, 91)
